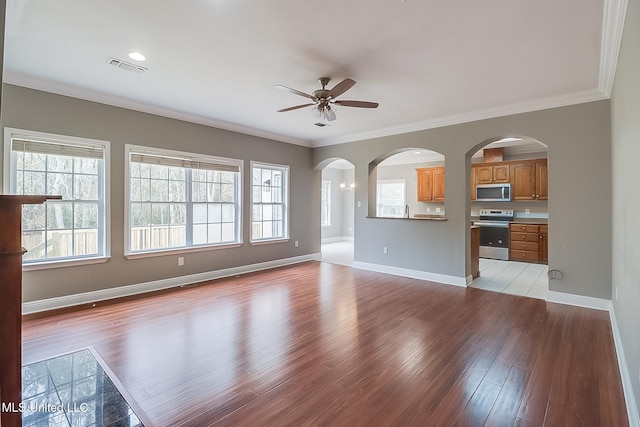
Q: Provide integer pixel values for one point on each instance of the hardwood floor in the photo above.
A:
(325, 344)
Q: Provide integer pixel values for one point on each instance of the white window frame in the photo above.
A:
(104, 192)
(326, 188)
(379, 203)
(285, 202)
(189, 223)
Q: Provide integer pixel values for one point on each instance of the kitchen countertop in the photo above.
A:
(543, 221)
(413, 218)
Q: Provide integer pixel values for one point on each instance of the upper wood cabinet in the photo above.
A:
(542, 180)
(497, 173)
(431, 184)
(529, 180)
(474, 170)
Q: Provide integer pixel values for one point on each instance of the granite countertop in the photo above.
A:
(543, 221)
(429, 216)
(521, 220)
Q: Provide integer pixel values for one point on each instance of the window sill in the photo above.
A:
(268, 242)
(64, 263)
(178, 251)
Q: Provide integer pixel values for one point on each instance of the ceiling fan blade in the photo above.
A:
(341, 88)
(295, 108)
(359, 104)
(297, 92)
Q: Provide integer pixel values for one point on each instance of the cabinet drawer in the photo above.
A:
(525, 228)
(517, 236)
(523, 255)
(524, 246)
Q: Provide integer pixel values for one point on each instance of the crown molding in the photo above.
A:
(489, 113)
(17, 79)
(612, 29)
(614, 12)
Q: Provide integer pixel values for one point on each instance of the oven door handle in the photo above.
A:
(496, 224)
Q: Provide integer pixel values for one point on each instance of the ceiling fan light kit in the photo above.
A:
(324, 100)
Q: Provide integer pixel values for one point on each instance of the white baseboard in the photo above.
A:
(579, 300)
(336, 239)
(414, 274)
(156, 285)
(625, 376)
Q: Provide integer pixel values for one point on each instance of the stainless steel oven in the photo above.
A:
(494, 233)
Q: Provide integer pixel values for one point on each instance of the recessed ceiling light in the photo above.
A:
(416, 152)
(137, 56)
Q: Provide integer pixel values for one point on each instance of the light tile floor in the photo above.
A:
(512, 277)
(338, 253)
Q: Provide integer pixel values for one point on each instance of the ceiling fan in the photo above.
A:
(324, 100)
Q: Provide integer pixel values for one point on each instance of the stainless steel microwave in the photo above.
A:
(493, 193)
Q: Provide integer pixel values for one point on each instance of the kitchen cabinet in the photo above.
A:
(431, 184)
(543, 248)
(528, 242)
(473, 182)
(542, 180)
(529, 180)
(497, 173)
(475, 252)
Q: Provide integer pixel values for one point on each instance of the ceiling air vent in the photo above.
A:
(123, 65)
(320, 124)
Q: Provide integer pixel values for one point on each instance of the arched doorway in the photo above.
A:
(337, 206)
(510, 205)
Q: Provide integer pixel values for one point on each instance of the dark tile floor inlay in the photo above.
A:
(72, 390)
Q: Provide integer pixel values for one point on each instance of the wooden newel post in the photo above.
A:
(11, 305)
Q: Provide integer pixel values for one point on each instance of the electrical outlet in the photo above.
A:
(180, 260)
(438, 210)
(295, 243)
(428, 209)
(359, 204)
(385, 250)
(527, 211)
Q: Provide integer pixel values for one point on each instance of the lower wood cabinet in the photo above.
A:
(528, 242)
(543, 255)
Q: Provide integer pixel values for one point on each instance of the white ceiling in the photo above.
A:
(428, 63)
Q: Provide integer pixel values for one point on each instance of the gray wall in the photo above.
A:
(579, 141)
(40, 111)
(625, 111)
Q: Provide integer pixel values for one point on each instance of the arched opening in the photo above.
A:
(509, 205)
(409, 183)
(337, 204)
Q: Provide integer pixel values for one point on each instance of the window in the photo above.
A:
(71, 229)
(181, 200)
(391, 198)
(270, 199)
(325, 203)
